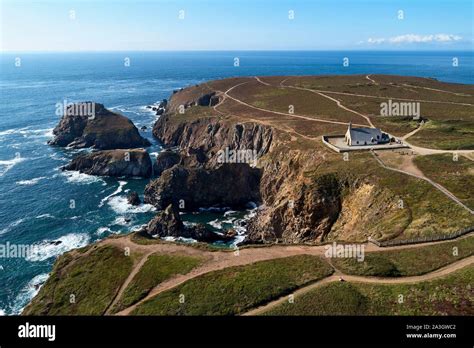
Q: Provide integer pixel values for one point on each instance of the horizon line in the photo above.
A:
(238, 50)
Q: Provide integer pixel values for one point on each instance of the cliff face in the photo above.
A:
(304, 196)
(205, 137)
(102, 130)
(229, 185)
(293, 208)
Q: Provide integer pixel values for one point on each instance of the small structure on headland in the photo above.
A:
(362, 139)
(365, 136)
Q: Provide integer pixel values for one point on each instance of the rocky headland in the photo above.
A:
(117, 163)
(99, 129)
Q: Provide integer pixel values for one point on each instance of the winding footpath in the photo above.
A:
(422, 177)
(315, 119)
(419, 150)
(217, 260)
(359, 279)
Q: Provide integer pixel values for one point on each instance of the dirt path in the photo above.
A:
(418, 149)
(413, 132)
(372, 280)
(436, 185)
(216, 260)
(385, 97)
(127, 281)
(371, 80)
(427, 151)
(416, 173)
(437, 90)
(285, 129)
(347, 109)
(325, 96)
(314, 119)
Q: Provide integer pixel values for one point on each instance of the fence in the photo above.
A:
(422, 240)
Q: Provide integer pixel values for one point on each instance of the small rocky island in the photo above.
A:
(100, 130)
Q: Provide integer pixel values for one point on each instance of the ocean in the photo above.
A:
(36, 196)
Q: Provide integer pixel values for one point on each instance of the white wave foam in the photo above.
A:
(120, 205)
(137, 227)
(27, 132)
(31, 181)
(38, 133)
(189, 223)
(214, 209)
(44, 216)
(47, 249)
(57, 157)
(80, 178)
(28, 292)
(13, 131)
(2, 312)
(117, 191)
(180, 239)
(121, 221)
(216, 224)
(11, 225)
(6, 165)
(102, 230)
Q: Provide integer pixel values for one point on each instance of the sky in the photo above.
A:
(154, 25)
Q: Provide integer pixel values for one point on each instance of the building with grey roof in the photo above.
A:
(365, 136)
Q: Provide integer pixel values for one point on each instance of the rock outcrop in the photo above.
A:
(96, 127)
(128, 163)
(230, 185)
(206, 137)
(165, 160)
(167, 223)
(308, 217)
(133, 198)
(298, 202)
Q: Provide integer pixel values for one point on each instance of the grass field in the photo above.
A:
(450, 295)
(407, 262)
(302, 102)
(456, 175)
(92, 280)
(429, 212)
(156, 269)
(446, 135)
(237, 289)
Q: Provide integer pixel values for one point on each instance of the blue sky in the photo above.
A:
(105, 25)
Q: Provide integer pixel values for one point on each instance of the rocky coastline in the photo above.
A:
(190, 173)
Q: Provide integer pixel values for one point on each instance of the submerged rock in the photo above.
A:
(96, 127)
(128, 163)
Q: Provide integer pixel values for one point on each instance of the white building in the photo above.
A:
(365, 136)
